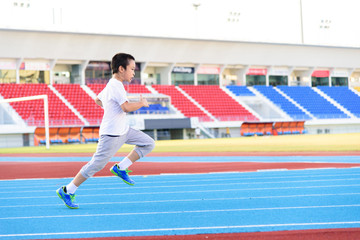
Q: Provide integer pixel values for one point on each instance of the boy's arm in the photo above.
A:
(98, 102)
(130, 107)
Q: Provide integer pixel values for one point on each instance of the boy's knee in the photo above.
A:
(99, 167)
(149, 147)
(152, 145)
(144, 150)
(91, 168)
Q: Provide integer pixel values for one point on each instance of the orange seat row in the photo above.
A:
(272, 128)
(61, 135)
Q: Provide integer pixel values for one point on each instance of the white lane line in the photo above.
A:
(194, 191)
(281, 225)
(190, 200)
(273, 170)
(182, 212)
(200, 185)
(184, 181)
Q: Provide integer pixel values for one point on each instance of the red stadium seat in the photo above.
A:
(33, 111)
(81, 101)
(182, 103)
(218, 103)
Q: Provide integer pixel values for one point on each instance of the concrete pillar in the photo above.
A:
(291, 69)
(52, 65)
(142, 71)
(196, 69)
(82, 71)
(308, 74)
(222, 69)
(165, 74)
(18, 64)
(241, 75)
(268, 70)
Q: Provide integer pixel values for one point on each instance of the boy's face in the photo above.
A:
(129, 72)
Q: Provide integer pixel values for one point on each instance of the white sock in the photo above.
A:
(71, 188)
(125, 163)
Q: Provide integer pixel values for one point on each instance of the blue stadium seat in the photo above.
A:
(313, 102)
(73, 140)
(288, 107)
(153, 109)
(240, 90)
(345, 97)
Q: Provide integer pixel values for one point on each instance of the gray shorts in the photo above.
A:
(108, 145)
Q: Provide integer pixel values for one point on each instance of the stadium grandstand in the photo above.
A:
(221, 86)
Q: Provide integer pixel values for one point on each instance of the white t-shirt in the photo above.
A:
(114, 119)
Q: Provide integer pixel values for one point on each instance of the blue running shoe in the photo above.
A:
(69, 199)
(123, 174)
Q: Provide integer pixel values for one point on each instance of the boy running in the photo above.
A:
(114, 130)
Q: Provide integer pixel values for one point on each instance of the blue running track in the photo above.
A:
(183, 204)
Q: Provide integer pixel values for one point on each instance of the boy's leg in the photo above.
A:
(144, 145)
(121, 169)
(132, 157)
(75, 183)
(106, 149)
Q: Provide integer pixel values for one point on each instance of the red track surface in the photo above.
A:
(321, 234)
(184, 154)
(22, 170)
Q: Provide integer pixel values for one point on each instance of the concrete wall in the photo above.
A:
(79, 47)
(15, 140)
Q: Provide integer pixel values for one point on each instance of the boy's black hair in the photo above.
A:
(120, 59)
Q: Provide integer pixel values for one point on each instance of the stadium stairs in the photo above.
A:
(73, 105)
(316, 104)
(345, 98)
(136, 89)
(33, 111)
(217, 102)
(130, 88)
(184, 104)
(319, 103)
(81, 101)
(289, 107)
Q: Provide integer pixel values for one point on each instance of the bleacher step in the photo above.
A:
(67, 103)
(295, 103)
(333, 102)
(242, 103)
(196, 103)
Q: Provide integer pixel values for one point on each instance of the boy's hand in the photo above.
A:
(144, 101)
